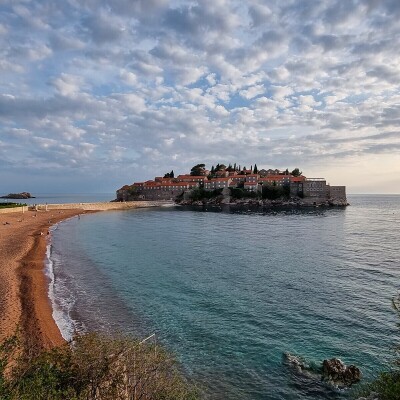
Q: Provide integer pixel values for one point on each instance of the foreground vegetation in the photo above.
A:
(11, 205)
(387, 385)
(91, 367)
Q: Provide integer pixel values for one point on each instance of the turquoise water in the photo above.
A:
(230, 292)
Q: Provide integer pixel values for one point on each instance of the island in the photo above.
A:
(22, 195)
(235, 185)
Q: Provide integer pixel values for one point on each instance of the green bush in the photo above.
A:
(11, 205)
(201, 194)
(238, 193)
(386, 386)
(92, 366)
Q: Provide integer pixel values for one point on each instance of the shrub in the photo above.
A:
(11, 205)
(92, 366)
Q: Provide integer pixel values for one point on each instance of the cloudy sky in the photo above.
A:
(96, 94)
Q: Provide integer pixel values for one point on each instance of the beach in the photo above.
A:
(24, 302)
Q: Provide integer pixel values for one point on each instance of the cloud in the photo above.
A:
(158, 85)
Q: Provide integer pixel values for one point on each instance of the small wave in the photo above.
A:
(60, 311)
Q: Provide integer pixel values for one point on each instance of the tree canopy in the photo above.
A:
(296, 172)
(198, 169)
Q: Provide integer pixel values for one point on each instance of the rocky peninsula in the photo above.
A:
(235, 185)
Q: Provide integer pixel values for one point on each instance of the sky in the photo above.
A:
(97, 94)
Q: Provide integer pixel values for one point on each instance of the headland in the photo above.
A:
(236, 185)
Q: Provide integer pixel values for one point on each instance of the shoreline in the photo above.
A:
(24, 301)
(25, 304)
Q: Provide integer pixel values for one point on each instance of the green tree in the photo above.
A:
(255, 169)
(296, 172)
(197, 170)
(220, 167)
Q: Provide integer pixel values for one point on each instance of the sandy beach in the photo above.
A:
(24, 302)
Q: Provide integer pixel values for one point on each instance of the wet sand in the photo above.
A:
(24, 302)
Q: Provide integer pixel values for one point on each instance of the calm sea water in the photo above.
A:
(231, 292)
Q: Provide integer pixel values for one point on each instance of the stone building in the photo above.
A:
(217, 183)
(338, 193)
(314, 187)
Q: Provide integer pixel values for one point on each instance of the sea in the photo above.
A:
(231, 292)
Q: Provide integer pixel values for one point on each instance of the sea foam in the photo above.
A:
(61, 306)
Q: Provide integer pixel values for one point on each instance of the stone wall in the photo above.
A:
(154, 194)
(100, 206)
(338, 193)
(314, 188)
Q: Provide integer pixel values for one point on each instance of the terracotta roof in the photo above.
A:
(297, 178)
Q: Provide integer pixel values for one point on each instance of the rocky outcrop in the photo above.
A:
(336, 372)
(22, 195)
(264, 203)
(372, 396)
(295, 362)
(338, 203)
(332, 372)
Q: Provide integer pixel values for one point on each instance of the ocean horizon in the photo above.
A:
(230, 292)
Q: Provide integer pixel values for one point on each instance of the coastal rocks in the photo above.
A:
(336, 372)
(22, 195)
(333, 371)
(338, 203)
(372, 396)
(296, 362)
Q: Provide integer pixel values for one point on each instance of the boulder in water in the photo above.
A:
(295, 362)
(336, 372)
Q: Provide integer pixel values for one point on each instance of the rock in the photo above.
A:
(295, 362)
(372, 396)
(336, 372)
(22, 195)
